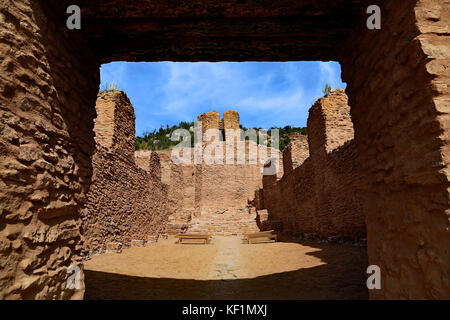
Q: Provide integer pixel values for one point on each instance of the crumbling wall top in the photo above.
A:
(230, 120)
(115, 123)
(209, 120)
(329, 123)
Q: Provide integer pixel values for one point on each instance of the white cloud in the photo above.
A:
(329, 74)
(265, 94)
(114, 74)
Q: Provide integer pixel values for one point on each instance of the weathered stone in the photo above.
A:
(295, 153)
(29, 153)
(121, 190)
(400, 177)
(395, 81)
(199, 194)
(317, 197)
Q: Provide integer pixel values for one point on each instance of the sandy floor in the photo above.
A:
(228, 269)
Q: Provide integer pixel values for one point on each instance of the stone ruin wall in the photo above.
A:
(231, 186)
(295, 153)
(398, 88)
(230, 121)
(181, 183)
(212, 191)
(317, 197)
(47, 93)
(125, 202)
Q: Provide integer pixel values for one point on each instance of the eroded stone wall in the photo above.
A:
(214, 191)
(318, 198)
(295, 153)
(125, 201)
(210, 120)
(397, 84)
(47, 94)
(231, 185)
(398, 88)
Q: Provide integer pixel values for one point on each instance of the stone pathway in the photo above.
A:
(226, 265)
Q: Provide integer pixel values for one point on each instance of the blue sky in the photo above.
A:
(265, 94)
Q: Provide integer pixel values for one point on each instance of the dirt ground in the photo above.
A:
(229, 269)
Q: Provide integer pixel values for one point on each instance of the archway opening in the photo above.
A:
(141, 198)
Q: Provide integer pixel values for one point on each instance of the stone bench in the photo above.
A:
(261, 237)
(193, 238)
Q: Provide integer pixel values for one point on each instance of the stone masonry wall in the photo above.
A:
(230, 185)
(230, 122)
(125, 202)
(210, 120)
(398, 88)
(46, 140)
(114, 126)
(319, 198)
(397, 85)
(218, 192)
(295, 153)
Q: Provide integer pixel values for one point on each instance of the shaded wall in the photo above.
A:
(47, 93)
(398, 88)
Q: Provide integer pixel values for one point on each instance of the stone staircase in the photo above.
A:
(224, 224)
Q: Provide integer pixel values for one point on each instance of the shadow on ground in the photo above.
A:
(338, 278)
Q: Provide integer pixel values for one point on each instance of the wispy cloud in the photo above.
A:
(264, 93)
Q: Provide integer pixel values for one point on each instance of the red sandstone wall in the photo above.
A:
(232, 185)
(142, 158)
(295, 153)
(125, 202)
(114, 126)
(195, 190)
(46, 140)
(319, 198)
(228, 187)
(206, 190)
(398, 90)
